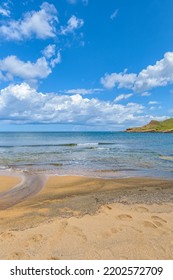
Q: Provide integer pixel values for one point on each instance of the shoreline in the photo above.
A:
(76, 217)
(19, 188)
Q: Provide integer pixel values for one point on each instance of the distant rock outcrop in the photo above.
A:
(154, 126)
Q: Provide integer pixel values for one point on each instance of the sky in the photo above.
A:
(85, 65)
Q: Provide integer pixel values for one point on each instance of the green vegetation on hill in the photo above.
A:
(154, 126)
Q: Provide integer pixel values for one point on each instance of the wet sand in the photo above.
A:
(84, 218)
(29, 186)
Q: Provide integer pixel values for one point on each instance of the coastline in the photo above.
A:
(75, 217)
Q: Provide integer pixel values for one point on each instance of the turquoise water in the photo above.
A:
(99, 154)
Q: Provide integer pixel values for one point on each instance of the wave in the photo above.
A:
(43, 145)
(170, 158)
(95, 143)
(105, 143)
(58, 145)
(68, 145)
(88, 144)
(23, 164)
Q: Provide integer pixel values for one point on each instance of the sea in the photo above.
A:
(94, 154)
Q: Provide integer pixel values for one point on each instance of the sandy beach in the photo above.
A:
(75, 217)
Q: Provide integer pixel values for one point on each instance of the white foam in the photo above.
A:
(88, 144)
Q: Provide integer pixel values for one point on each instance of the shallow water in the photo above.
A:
(99, 154)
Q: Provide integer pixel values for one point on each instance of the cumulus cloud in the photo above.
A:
(23, 104)
(11, 66)
(122, 80)
(122, 96)
(160, 74)
(72, 24)
(40, 24)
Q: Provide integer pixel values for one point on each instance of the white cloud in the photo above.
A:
(123, 96)
(23, 104)
(114, 14)
(160, 74)
(153, 102)
(123, 80)
(12, 67)
(145, 93)
(4, 11)
(41, 24)
(83, 91)
(56, 60)
(49, 51)
(72, 24)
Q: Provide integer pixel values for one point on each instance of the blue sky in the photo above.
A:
(85, 64)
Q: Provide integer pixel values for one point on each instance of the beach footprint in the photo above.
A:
(142, 209)
(149, 224)
(109, 233)
(125, 217)
(158, 221)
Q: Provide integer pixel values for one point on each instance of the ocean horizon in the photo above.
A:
(96, 154)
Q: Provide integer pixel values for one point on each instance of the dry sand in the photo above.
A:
(86, 218)
(6, 182)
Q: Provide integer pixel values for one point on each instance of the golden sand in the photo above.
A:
(86, 218)
(7, 182)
